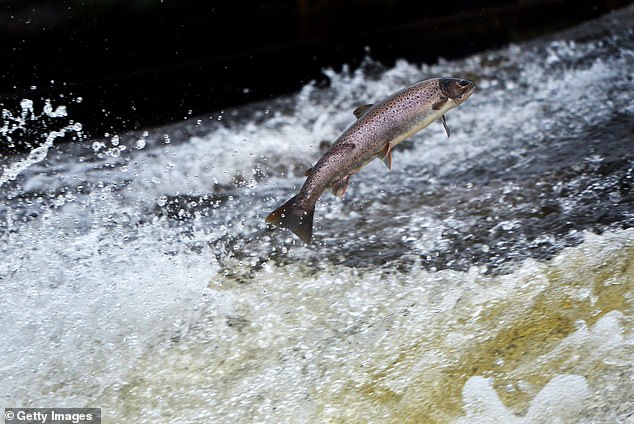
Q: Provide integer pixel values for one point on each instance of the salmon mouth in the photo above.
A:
(457, 89)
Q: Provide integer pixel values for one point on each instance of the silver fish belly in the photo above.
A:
(379, 128)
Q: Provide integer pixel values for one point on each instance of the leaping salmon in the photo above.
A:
(378, 129)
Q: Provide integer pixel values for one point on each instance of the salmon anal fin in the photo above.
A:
(444, 124)
(358, 112)
(340, 186)
(386, 154)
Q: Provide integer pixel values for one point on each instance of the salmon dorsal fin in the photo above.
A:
(359, 111)
(308, 171)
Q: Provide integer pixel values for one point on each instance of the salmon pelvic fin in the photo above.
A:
(295, 217)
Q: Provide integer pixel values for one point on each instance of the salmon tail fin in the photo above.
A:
(295, 217)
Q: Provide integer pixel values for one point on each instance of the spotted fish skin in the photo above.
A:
(378, 129)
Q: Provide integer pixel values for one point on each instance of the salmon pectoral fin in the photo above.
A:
(295, 217)
(386, 156)
(340, 186)
(444, 124)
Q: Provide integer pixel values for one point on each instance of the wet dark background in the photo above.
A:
(140, 63)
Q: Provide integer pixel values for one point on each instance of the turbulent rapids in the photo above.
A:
(489, 277)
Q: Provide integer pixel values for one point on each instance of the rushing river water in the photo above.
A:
(489, 277)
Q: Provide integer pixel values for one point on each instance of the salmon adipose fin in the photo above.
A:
(294, 217)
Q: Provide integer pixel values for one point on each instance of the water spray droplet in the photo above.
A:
(27, 106)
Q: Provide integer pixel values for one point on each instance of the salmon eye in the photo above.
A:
(463, 82)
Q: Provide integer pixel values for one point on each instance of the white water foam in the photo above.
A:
(557, 403)
(343, 345)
